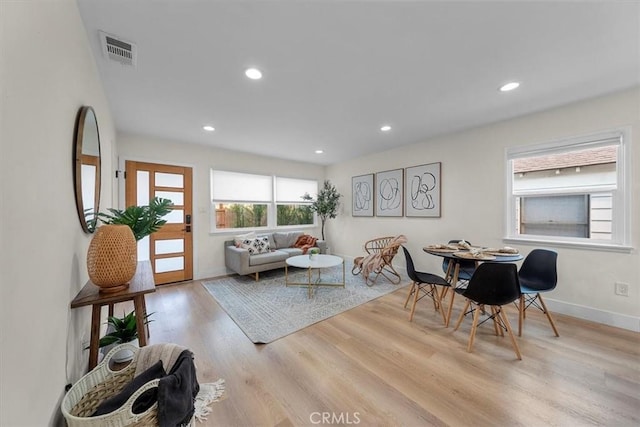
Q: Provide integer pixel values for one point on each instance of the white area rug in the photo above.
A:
(267, 310)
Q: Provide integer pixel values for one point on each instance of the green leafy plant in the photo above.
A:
(326, 204)
(314, 251)
(124, 329)
(143, 220)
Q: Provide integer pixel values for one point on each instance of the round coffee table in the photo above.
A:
(317, 262)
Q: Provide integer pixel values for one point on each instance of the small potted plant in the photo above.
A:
(313, 252)
(122, 330)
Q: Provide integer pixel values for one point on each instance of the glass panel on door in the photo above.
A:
(164, 265)
(169, 180)
(169, 246)
(176, 216)
(142, 193)
(176, 197)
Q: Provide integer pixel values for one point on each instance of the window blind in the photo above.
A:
(240, 187)
(291, 190)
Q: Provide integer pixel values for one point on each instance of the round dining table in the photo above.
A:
(456, 259)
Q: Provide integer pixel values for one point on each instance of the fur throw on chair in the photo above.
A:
(376, 262)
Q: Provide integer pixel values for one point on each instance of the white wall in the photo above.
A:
(47, 73)
(473, 203)
(208, 247)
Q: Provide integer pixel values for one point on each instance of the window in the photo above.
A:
(572, 191)
(242, 201)
(555, 215)
(291, 208)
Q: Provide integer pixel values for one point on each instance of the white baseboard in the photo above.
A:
(618, 320)
(210, 274)
(604, 317)
(609, 318)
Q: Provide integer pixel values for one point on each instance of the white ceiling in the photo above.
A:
(334, 72)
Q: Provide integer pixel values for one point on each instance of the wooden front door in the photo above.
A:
(169, 249)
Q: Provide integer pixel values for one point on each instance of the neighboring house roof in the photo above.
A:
(592, 156)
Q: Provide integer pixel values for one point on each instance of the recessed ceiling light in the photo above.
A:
(208, 128)
(509, 86)
(385, 128)
(253, 73)
(319, 151)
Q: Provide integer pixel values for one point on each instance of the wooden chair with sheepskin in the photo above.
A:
(379, 259)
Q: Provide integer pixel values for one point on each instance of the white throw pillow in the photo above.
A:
(259, 245)
(237, 240)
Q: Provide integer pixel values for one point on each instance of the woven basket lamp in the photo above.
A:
(112, 257)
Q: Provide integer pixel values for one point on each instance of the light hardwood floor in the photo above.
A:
(371, 366)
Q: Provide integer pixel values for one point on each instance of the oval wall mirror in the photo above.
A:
(87, 168)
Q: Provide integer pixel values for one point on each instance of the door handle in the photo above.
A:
(187, 221)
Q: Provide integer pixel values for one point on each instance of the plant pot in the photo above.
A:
(112, 257)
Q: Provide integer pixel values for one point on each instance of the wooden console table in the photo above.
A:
(141, 284)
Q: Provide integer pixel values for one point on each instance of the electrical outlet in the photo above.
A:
(622, 289)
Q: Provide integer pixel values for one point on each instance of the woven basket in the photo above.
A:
(101, 383)
(112, 257)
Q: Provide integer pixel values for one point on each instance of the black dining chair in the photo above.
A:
(466, 269)
(493, 285)
(537, 274)
(423, 284)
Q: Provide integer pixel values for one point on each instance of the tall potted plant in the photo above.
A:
(326, 204)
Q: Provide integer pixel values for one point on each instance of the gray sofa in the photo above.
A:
(281, 243)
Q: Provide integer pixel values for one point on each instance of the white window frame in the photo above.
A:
(271, 205)
(621, 220)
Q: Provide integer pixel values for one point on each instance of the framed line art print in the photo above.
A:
(389, 191)
(422, 191)
(362, 195)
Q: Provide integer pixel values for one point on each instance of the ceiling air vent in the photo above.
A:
(118, 49)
